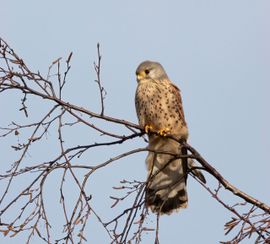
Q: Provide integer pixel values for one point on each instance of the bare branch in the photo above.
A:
(250, 216)
(102, 91)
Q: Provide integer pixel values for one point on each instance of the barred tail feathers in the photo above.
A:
(166, 189)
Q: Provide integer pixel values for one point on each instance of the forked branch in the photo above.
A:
(27, 204)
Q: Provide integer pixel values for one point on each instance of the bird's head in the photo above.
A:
(149, 70)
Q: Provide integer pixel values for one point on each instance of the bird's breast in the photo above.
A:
(157, 106)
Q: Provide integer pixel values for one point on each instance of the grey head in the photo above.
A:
(150, 70)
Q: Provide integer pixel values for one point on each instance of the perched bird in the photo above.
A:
(160, 112)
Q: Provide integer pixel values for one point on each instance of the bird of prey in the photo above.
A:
(160, 112)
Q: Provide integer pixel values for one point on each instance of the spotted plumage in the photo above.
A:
(159, 109)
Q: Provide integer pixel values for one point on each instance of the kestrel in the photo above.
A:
(159, 110)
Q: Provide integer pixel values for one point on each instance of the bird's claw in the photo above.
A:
(163, 132)
(148, 128)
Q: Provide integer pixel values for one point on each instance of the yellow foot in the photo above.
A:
(148, 128)
(163, 132)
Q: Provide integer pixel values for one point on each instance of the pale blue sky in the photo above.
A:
(217, 52)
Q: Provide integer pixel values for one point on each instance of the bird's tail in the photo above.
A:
(166, 188)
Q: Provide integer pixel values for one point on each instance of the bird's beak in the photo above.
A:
(139, 76)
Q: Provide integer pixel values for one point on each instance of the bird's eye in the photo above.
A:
(147, 71)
